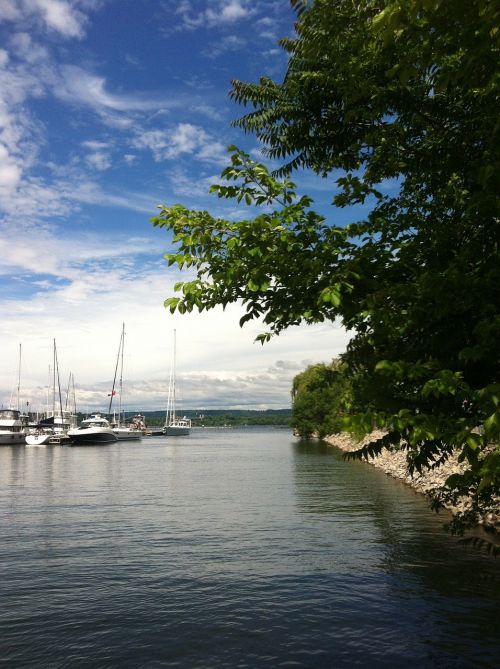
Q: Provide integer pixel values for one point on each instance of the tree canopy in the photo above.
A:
(321, 395)
(384, 92)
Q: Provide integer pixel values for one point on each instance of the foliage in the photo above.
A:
(402, 99)
(320, 396)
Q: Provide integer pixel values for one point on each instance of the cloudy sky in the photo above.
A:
(107, 109)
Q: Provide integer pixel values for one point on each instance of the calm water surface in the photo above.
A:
(231, 548)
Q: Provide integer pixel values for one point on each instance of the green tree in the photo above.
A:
(405, 93)
(320, 397)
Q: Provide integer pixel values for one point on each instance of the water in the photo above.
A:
(231, 548)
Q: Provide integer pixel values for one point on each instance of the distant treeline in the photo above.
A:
(222, 417)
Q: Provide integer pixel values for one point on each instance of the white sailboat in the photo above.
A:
(121, 431)
(174, 426)
(53, 429)
(12, 428)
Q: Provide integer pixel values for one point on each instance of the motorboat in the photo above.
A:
(12, 429)
(93, 430)
(124, 433)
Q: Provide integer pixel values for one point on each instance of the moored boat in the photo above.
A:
(177, 427)
(47, 438)
(11, 427)
(53, 428)
(92, 430)
(122, 432)
(174, 426)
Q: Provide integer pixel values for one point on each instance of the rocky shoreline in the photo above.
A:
(393, 463)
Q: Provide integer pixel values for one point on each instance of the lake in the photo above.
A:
(231, 548)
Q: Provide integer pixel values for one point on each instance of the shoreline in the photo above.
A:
(393, 463)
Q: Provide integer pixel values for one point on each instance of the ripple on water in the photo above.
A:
(236, 549)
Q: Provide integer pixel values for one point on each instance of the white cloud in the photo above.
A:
(183, 138)
(27, 49)
(60, 16)
(228, 12)
(227, 44)
(99, 160)
(92, 193)
(208, 111)
(217, 14)
(78, 85)
(10, 172)
(187, 186)
(10, 10)
(95, 145)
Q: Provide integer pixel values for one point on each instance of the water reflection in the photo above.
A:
(439, 582)
(233, 548)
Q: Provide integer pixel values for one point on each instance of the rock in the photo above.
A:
(394, 464)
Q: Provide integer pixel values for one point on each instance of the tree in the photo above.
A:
(320, 397)
(406, 92)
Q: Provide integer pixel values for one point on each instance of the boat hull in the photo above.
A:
(91, 436)
(124, 434)
(11, 438)
(176, 431)
(38, 439)
(47, 439)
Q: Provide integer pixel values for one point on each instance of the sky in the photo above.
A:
(109, 108)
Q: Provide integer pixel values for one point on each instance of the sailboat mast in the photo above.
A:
(54, 380)
(116, 371)
(67, 392)
(19, 380)
(56, 365)
(121, 377)
(73, 392)
(174, 373)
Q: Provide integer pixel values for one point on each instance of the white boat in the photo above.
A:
(12, 422)
(53, 429)
(47, 438)
(177, 427)
(122, 432)
(93, 430)
(11, 427)
(174, 426)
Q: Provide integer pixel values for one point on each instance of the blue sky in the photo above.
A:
(107, 109)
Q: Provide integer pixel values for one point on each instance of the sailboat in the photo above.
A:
(174, 426)
(12, 427)
(53, 429)
(121, 431)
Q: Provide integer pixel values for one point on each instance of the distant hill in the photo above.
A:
(217, 417)
(220, 417)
